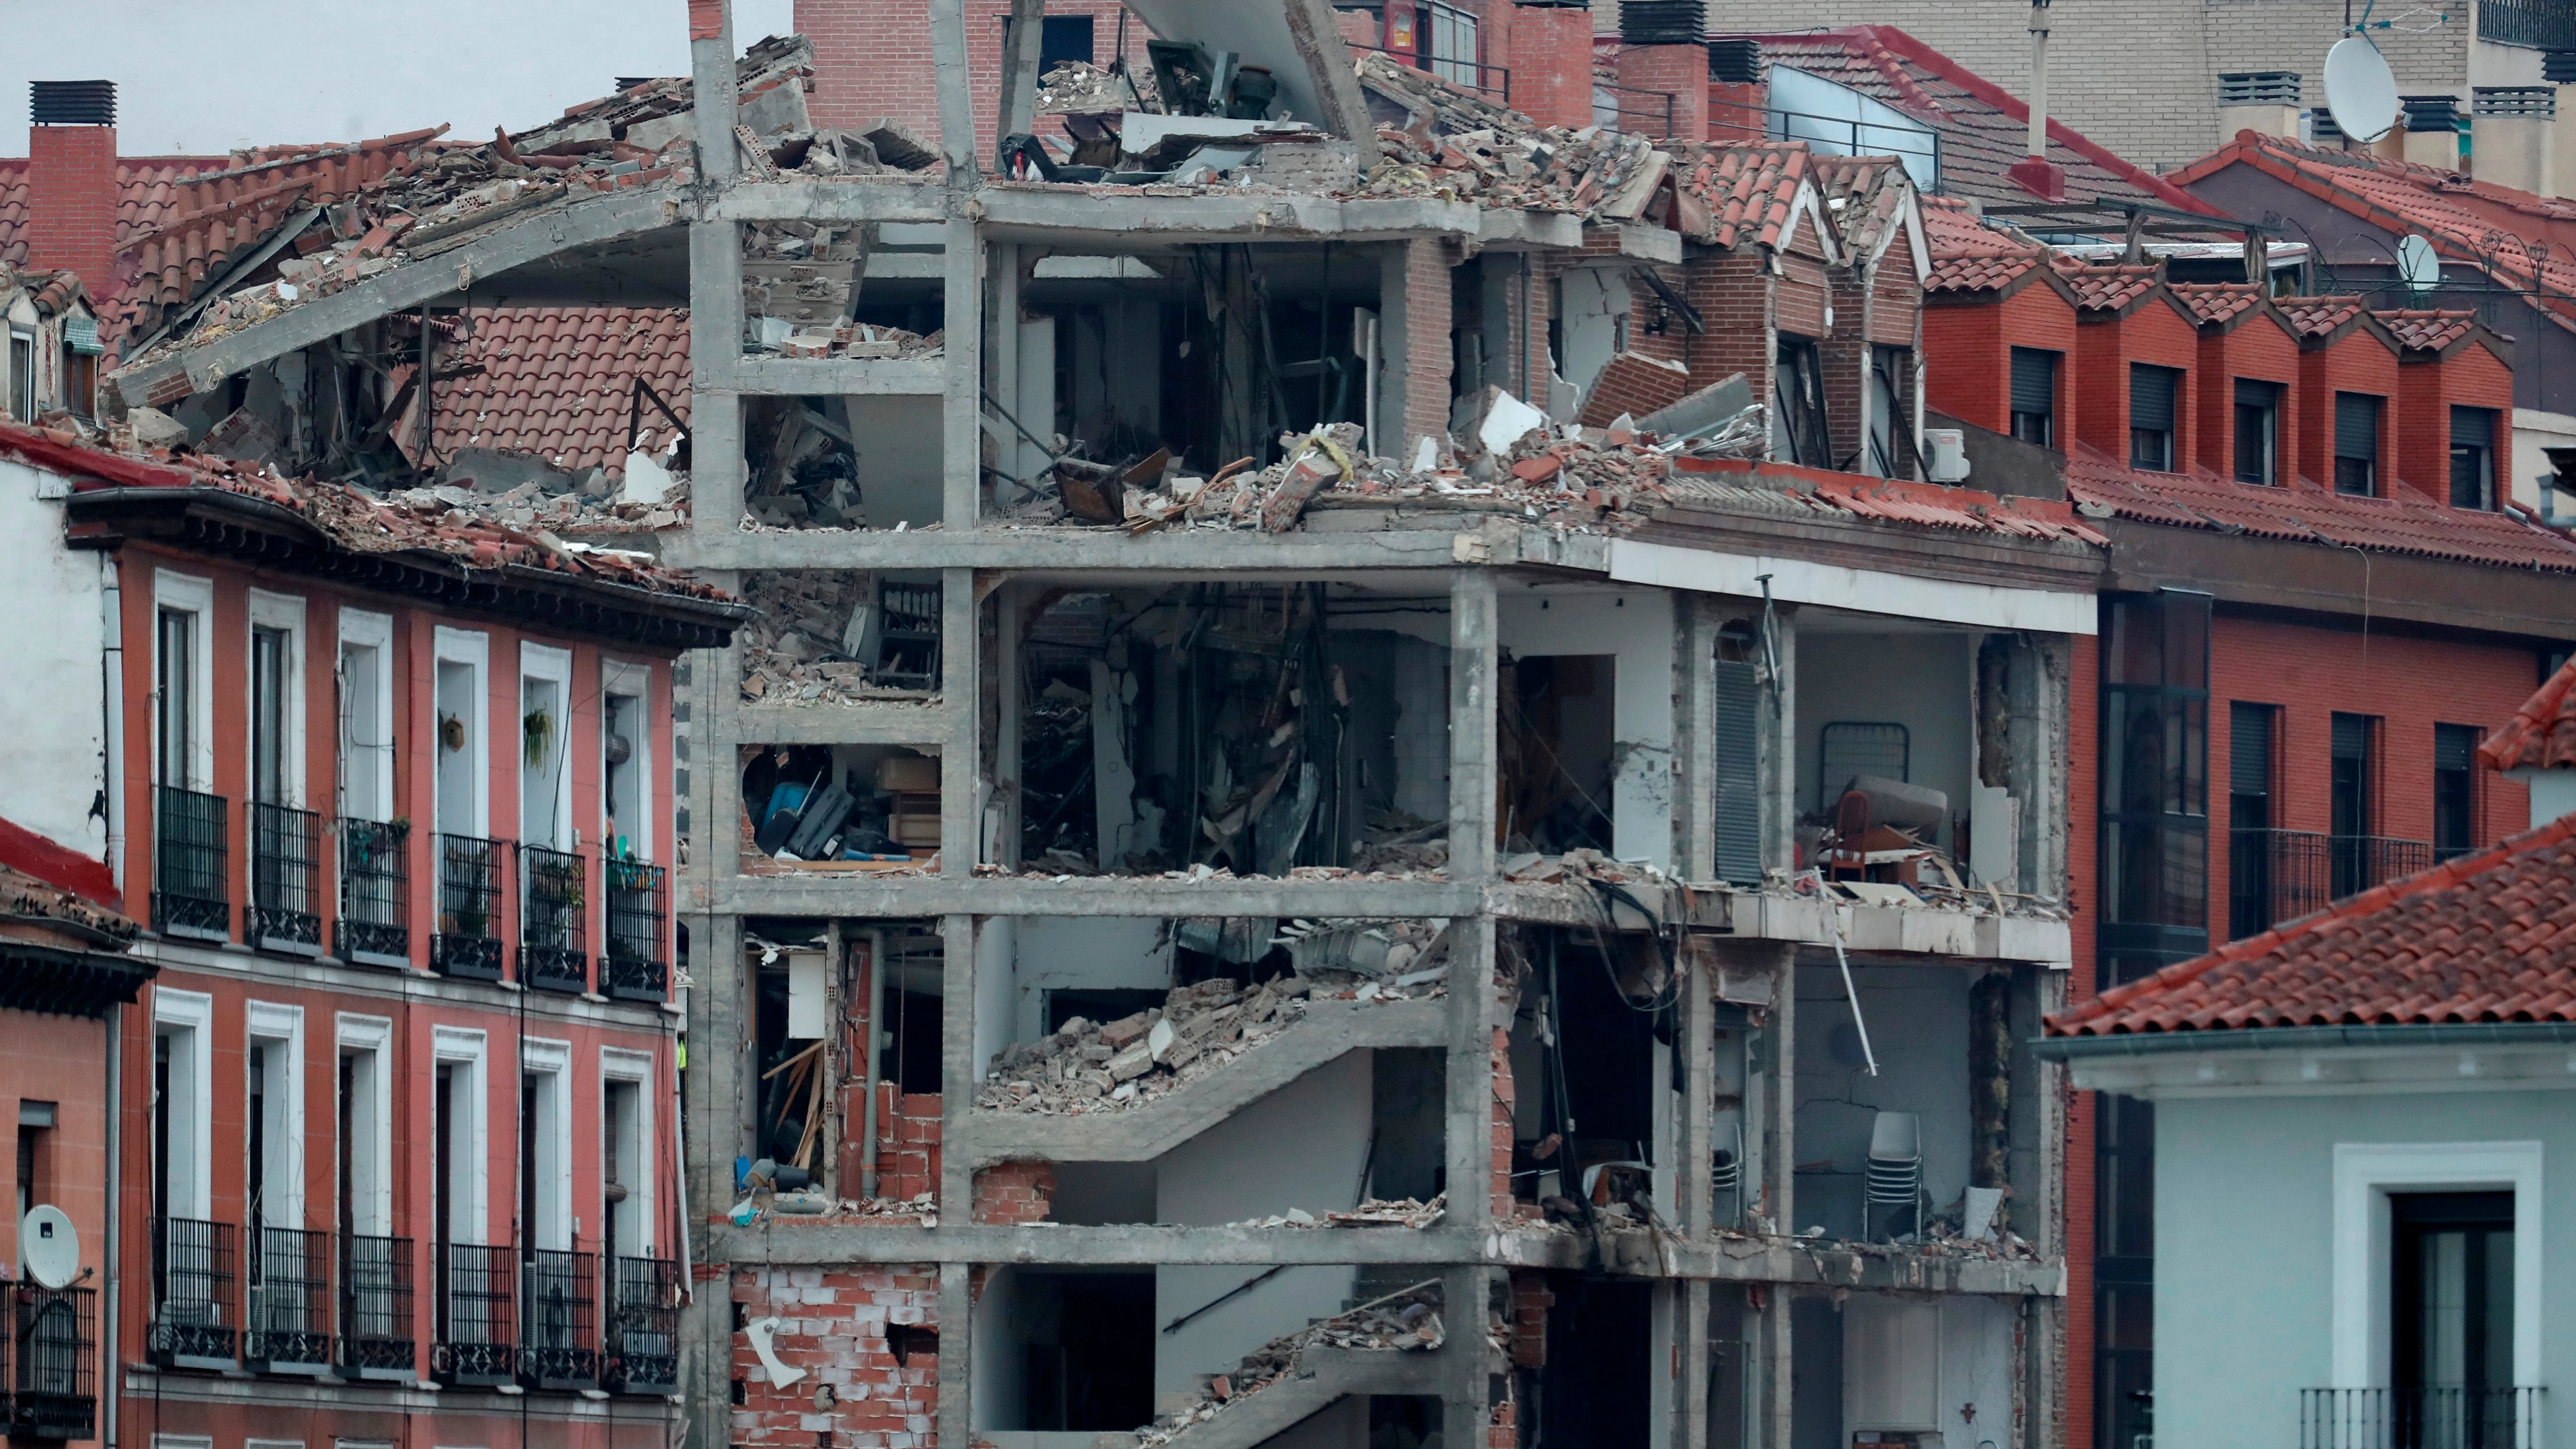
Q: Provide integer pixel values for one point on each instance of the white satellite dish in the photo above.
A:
(2360, 89)
(49, 1247)
(2417, 264)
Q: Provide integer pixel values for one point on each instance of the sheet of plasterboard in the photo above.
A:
(1256, 30)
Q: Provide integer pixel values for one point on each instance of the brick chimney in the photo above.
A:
(1551, 64)
(71, 180)
(1739, 98)
(1663, 46)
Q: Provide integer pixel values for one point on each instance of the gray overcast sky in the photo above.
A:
(200, 77)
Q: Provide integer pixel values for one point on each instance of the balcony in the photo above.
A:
(643, 1326)
(559, 1348)
(374, 927)
(2426, 1418)
(375, 1308)
(477, 1317)
(52, 1369)
(468, 940)
(285, 879)
(190, 871)
(288, 1328)
(2535, 24)
(195, 1316)
(636, 967)
(553, 906)
(2280, 875)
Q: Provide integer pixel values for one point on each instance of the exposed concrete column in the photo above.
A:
(1020, 69)
(962, 403)
(713, 92)
(1770, 1389)
(1697, 1063)
(956, 101)
(1468, 1121)
(1771, 1112)
(1002, 811)
(1775, 728)
(961, 755)
(955, 1420)
(716, 472)
(958, 1074)
(720, 1116)
(1468, 1364)
(1474, 678)
(1695, 625)
(1690, 1337)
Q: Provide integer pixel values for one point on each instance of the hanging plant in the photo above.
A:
(451, 731)
(540, 731)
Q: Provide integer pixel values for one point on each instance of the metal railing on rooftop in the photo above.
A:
(2420, 1418)
(2532, 24)
(1612, 113)
(2280, 875)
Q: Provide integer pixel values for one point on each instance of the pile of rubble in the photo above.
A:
(922, 1209)
(1401, 844)
(1079, 88)
(1441, 139)
(1086, 1066)
(1376, 1212)
(806, 646)
(800, 280)
(1404, 1321)
(558, 501)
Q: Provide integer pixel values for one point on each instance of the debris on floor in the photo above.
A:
(811, 643)
(1404, 1321)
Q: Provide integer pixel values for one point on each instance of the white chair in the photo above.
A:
(1895, 1177)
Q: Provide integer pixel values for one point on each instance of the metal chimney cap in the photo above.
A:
(72, 103)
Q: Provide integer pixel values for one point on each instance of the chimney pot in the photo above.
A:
(72, 103)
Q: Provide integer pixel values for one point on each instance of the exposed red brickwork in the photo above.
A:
(2428, 387)
(1632, 384)
(1733, 291)
(71, 201)
(1680, 71)
(1530, 1302)
(872, 58)
(833, 1324)
(1500, 1155)
(2257, 348)
(1503, 1425)
(1426, 328)
(1014, 1193)
(908, 1127)
(2107, 345)
(1551, 64)
(1738, 112)
(2359, 360)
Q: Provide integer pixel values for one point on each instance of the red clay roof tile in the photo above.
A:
(2215, 302)
(2427, 330)
(2489, 937)
(2542, 734)
(2319, 316)
(559, 382)
(2109, 288)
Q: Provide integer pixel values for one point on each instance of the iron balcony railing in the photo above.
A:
(288, 1327)
(2535, 24)
(2363, 861)
(477, 1316)
(375, 1308)
(190, 867)
(636, 967)
(468, 940)
(559, 1339)
(643, 1326)
(285, 879)
(374, 925)
(195, 1315)
(2422, 1418)
(554, 900)
(2273, 876)
(52, 1368)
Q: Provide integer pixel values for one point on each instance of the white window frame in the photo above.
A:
(552, 1060)
(371, 1168)
(469, 647)
(634, 681)
(364, 630)
(622, 1064)
(280, 1028)
(190, 1016)
(470, 1218)
(187, 593)
(284, 612)
(2365, 1173)
(551, 665)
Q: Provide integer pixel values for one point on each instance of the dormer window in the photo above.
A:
(2154, 401)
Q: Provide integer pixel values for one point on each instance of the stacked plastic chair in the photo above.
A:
(1895, 1169)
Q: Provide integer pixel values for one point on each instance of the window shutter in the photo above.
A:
(2473, 427)
(2253, 394)
(2151, 396)
(2453, 745)
(2357, 426)
(2034, 380)
(2351, 736)
(2249, 749)
(1739, 775)
(80, 334)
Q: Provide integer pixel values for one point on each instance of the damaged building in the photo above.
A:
(1372, 800)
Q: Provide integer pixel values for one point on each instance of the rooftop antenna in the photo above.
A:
(2361, 91)
(2033, 172)
(2418, 265)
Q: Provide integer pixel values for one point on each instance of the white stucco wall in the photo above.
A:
(1299, 1147)
(1067, 953)
(52, 714)
(2244, 1302)
(1636, 627)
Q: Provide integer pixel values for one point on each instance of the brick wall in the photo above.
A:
(1636, 385)
(832, 1324)
(1967, 353)
(2427, 390)
(1427, 261)
(1530, 1302)
(71, 202)
(1678, 70)
(1737, 303)
(2105, 348)
(908, 1127)
(2259, 349)
(872, 58)
(1014, 1194)
(2141, 79)
(1738, 112)
(1551, 64)
(2357, 362)
(1500, 1153)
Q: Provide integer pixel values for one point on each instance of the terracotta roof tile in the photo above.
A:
(2108, 289)
(1865, 195)
(1971, 254)
(143, 191)
(2427, 330)
(2489, 937)
(559, 382)
(2542, 734)
(2216, 302)
(1748, 188)
(2407, 523)
(2319, 316)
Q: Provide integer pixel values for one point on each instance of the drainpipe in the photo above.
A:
(2033, 172)
(112, 703)
(115, 1214)
(876, 1039)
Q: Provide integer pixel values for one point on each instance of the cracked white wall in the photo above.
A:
(1634, 627)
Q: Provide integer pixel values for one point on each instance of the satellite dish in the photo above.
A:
(2416, 263)
(2360, 89)
(49, 1247)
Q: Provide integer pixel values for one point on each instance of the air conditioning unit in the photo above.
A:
(1946, 450)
